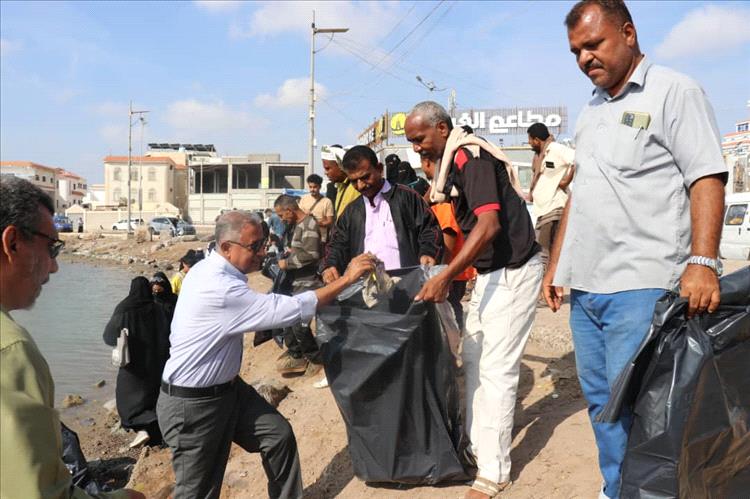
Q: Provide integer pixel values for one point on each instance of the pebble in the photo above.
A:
(100, 383)
(111, 406)
(72, 400)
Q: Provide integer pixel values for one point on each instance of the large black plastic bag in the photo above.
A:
(395, 382)
(75, 461)
(689, 389)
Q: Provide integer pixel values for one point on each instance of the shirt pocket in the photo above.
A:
(622, 147)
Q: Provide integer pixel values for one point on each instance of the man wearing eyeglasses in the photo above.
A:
(204, 405)
(31, 450)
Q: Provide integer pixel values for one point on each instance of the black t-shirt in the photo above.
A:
(483, 185)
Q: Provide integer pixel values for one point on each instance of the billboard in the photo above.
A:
(502, 121)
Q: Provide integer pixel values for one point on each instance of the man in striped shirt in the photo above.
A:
(300, 263)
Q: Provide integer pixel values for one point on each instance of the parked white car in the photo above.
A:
(735, 233)
(123, 224)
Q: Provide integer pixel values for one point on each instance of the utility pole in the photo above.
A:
(314, 31)
(130, 155)
(452, 103)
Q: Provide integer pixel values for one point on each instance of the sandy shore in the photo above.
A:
(553, 447)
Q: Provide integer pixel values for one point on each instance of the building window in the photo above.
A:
(116, 194)
(117, 173)
(134, 174)
(743, 127)
(44, 178)
(152, 174)
(152, 195)
(36, 177)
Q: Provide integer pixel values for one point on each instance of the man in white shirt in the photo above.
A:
(554, 167)
(204, 405)
(317, 205)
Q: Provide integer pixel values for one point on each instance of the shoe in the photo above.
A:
(290, 365)
(321, 383)
(140, 438)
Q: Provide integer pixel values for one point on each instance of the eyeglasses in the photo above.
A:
(55, 246)
(254, 247)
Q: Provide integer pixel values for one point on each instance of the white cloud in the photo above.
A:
(114, 136)
(218, 5)
(292, 93)
(194, 120)
(7, 47)
(367, 21)
(709, 30)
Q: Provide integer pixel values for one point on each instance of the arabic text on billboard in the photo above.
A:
(513, 121)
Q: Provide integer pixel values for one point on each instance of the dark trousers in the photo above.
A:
(300, 342)
(455, 294)
(545, 238)
(200, 431)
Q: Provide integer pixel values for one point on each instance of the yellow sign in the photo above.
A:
(398, 121)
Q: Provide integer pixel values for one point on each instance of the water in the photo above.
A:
(67, 323)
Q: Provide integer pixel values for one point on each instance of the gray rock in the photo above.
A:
(188, 238)
(100, 383)
(156, 247)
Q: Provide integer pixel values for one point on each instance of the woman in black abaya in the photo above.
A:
(163, 295)
(139, 382)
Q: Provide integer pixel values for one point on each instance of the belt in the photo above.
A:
(189, 392)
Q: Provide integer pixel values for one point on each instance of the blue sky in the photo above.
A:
(236, 74)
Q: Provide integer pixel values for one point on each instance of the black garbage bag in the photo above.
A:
(394, 380)
(281, 285)
(688, 387)
(75, 461)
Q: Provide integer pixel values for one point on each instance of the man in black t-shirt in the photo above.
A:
(500, 243)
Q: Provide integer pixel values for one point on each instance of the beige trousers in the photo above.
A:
(501, 314)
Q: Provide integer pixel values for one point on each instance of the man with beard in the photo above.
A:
(474, 175)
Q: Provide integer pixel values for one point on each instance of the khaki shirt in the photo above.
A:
(323, 209)
(554, 165)
(31, 445)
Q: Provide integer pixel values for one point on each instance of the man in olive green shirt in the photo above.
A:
(30, 448)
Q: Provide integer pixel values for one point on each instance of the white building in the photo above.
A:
(154, 183)
(736, 149)
(71, 189)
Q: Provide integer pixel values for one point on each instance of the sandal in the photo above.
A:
(487, 487)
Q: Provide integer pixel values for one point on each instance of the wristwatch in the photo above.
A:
(712, 263)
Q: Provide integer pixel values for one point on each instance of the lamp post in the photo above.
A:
(130, 154)
(140, 172)
(314, 31)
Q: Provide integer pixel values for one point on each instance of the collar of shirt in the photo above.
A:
(379, 196)
(219, 262)
(638, 78)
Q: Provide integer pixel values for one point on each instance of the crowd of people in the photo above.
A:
(603, 230)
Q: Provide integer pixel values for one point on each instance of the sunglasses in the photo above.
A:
(254, 247)
(55, 246)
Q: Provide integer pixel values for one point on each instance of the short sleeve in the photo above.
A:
(694, 137)
(479, 183)
(327, 207)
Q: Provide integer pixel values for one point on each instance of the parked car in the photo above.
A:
(172, 225)
(123, 224)
(62, 223)
(735, 232)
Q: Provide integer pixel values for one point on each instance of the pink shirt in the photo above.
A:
(380, 232)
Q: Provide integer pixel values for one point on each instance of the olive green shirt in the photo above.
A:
(31, 444)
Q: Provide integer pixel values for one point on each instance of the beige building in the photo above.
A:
(736, 149)
(155, 182)
(247, 182)
(42, 176)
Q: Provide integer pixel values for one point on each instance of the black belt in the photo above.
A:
(189, 392)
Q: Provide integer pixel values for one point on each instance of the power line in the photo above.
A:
(401, 20)
(404, 38)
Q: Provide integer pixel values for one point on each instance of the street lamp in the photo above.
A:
(140, 171)
(314, 31)
(130, 154)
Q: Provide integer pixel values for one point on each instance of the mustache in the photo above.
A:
(593, 65)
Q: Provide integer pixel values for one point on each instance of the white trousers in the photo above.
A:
(501, 314)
